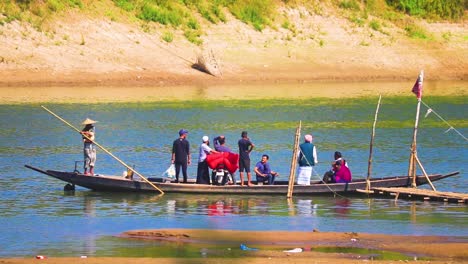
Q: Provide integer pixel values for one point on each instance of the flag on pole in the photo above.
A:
(418, 86)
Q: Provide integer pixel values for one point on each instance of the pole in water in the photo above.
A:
(105, 150)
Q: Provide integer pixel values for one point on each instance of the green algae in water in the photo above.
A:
(366, 253)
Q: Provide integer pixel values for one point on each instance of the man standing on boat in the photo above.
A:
(245, 147)
(181, 154)
(203, 174)
(307, 160)
(219, 144)
(89, 148)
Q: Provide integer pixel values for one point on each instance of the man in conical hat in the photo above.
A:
(89, 148)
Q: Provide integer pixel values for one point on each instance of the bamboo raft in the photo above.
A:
(420, 194)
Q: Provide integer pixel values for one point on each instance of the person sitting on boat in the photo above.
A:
(329, 176)
(89, 148)
(342, 173)
(307, 160)
(219, 144)
(203, 174)
(339, 157)
(264, 172)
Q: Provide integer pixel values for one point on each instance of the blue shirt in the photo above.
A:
(220, 148)
(264, 168)
(244, 147)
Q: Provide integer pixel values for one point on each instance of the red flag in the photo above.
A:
(418, 86)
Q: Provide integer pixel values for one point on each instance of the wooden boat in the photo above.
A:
(121, 184)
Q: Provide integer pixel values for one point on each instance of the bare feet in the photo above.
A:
(250, 184)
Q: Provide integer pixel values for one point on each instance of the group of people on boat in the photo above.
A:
(307, 159)
(181, 158)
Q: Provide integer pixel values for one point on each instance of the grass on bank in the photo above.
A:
(191, 15)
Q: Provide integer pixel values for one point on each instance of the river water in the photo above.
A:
(37, 217)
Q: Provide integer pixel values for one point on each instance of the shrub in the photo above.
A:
(161, 14)
(193, 36)
(446, 9)
(126, 5)
(193, 24)
(349, 4)
(375, 25)
(167, 36)
(254, 12)
(415, 31)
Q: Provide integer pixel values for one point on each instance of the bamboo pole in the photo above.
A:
(104, 149)
(424, 172)
(412, 161)
(371, 146)
(292, 171)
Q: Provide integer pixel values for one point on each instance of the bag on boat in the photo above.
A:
(170, 172)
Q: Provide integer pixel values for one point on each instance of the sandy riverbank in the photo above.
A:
(248, 91)
(271, 246)
(78, 51)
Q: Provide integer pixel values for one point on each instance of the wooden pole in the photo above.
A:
(371, 146)
(412, 161)
(104, 149)
(292, 171)
(424, 172)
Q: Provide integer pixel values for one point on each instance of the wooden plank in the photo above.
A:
(423, 194)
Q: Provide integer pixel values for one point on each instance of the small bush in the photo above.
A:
(375, 25)
(357, 20)
(162, 15)
(193, 36)
(447, 35)
(349, 4)
(254, 12)
(125, 5)
(446, 9)
(168, 36)
(415, 31)
(193, 24)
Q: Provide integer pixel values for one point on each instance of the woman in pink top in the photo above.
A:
(342, 173)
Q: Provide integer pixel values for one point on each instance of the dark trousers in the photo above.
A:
(270, 178)
(203, 175)
(182, 165)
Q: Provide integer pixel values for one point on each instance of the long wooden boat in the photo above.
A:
(121, 184)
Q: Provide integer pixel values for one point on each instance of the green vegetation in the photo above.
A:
(349, 4)
(415, 31)
(446, 9)
(167, 36)
(375, 25)
(190, 15)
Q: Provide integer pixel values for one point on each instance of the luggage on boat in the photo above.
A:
(228, 159)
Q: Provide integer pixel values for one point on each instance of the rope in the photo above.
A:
(430, 110)
(318, 176)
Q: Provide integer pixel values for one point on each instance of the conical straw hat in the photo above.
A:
(88, 122)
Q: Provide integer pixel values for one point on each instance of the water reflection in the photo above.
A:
(342, 207)
(35, 214)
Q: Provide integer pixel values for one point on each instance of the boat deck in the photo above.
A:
(420, 194)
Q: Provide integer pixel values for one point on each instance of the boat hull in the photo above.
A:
(121, 184)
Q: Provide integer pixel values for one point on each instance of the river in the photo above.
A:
(37, 217)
